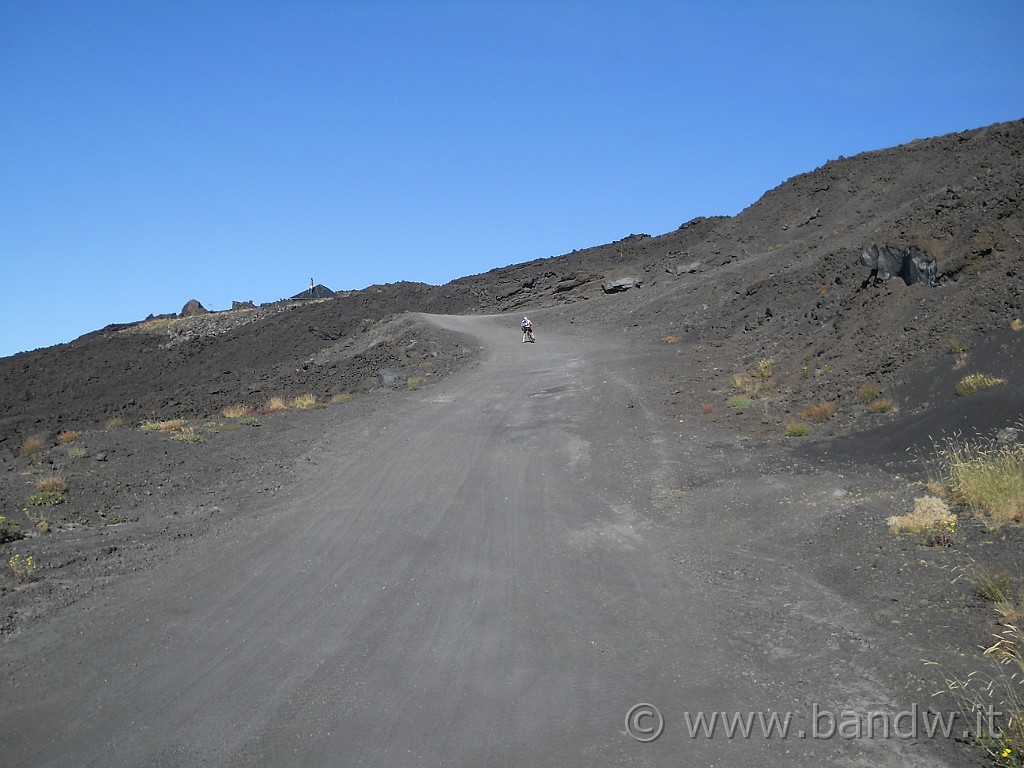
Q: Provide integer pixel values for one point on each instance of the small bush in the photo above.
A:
(24, 569)
(956, 347)
(880, 406)
(414, 382)
(42, 525)
(930, 515)
(341, 397)
(77, 452)
(1017, 325)
(797, 429)
(868, 393)
(236, 411)
(113, 423)
(707, 409)
(976, 382)
(30, 446)
(68, 436)
(52, 483)
(820, 412)
(738, 402)
(671, 339)
(250, 421)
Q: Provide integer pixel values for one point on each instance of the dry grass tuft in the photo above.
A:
(976, 382)
(1017, 325)
(171, 425)
(304, 402)
(930, 514)
(868, 393)
(671, 339)
(237, 411)
(113, 423)
(67, 436)
(30, 446)
(52, 484)
(797, 429)
(820, 412)
(275, 405)
(986, 476)
(880, 406)
(341, 397)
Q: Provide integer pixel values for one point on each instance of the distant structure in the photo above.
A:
(315, 291)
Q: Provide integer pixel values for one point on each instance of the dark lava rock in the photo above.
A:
(911, 264)
(193, 308)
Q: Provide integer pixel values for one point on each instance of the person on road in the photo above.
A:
(527, 327)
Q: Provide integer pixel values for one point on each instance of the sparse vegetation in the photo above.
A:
(956, 347)
(237, 411)
(976, 382)
(275, 405)
(187, 435)
(41, 524)
(738, 402)
(51, 483)
(820, 412)
(67, 436)
(671, 339)
(9, 531)
(797, 429)
(414, 382)
(1017, 325)
(985, 476)
(113, 423)
(930, 515)
(30, 446)
(999, 691)
(868, 393)
(880, 406)
(341, 397)
(250, 421)
(46, 499)
(764, 368)
(994, 586)
(171, 425)
(707, 409)
(77, 452)
(304, 402)
(24, 569)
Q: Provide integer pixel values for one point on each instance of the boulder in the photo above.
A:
(242, 305)
(622, 284)
(192, 308)
(388, 377)
(911, 264)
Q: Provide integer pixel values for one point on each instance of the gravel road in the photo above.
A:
(492, 574)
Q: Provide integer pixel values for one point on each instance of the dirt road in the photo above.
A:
(494, 572)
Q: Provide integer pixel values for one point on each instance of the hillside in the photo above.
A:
(780, 281)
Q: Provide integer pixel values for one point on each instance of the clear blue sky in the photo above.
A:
(152, 152)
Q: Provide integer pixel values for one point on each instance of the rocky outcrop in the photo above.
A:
(193, 308)
(911, 264)
(622, 284)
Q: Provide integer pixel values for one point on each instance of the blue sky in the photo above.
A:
(160, 151)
